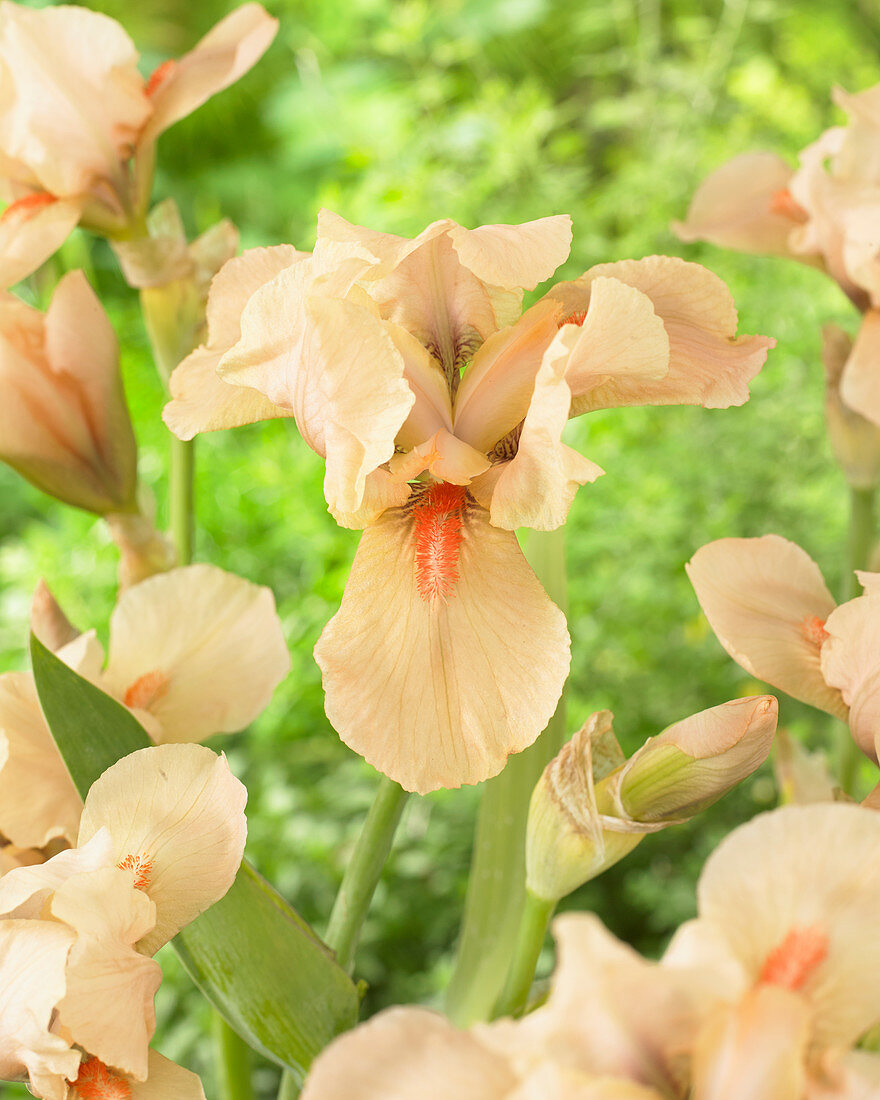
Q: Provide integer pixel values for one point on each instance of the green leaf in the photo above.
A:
(251, 954)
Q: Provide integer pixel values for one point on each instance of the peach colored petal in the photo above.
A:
(805, 870)
(202, 401)
(26, 891)
(554, 1081)
(332, 362)
(767, 602)
(198, 648)
(432, 410)
(176, 817)
(48, 621)
(755, 1050)
(167, 1081)
(473, 654)
(33, 958)
(851, 662)
(381, 490)
(223, 56)
(742, 205)
(38, 800)
(709, 364)
(30, 235)
(860, 382)
(108, 1005)
(74, 97)
(445, 456)
(536, 488)
(408, 1054)
(514, 255)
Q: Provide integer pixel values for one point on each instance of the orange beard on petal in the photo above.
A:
(793, 961)
(437, 528)
(25, 208)
(814, 630)
(141, 867)
(97, 1082)
(159, 75)
(146, 690)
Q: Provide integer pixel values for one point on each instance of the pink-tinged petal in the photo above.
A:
(202, 401)
(709, 364)
(767, 603)
(860, 382)
(795, 894)
(745, 205)
(408, 1054)
(473, 654)
(25, 891)
(167, 1081)
(33, 958)
(334, 363)
(432, 410)
(536, 488)
(223, 56)
(200, 649)
(496, 389)
(176, 816)
(108, 1006)
(851, 662)
(802, 777)
(381, 490)
(755, 1050)
(38, 800)
(75, 100)
(48, 621)
(31, 230)
(443, 455)
(514, 255)
(550, 1080)
(869, 581)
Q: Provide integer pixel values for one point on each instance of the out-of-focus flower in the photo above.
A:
(591, 807)
(80, 147)
(771, 610)
(787, 905)
(64, 424)
(440, 417)
(161, 840)
(855, 440)
(801, 776)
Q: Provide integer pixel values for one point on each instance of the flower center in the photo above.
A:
(22, 209)
(794, 960)
(814, 629)
(159, 76)
(146, 690)
(576, 318)
(141, 867)
(97, 1082)
(437, 526)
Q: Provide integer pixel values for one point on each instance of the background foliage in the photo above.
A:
(395, 114)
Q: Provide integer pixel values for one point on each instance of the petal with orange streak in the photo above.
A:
(179, 812)
(766, 601)
(438, 692)
(851, 662)
(709, 364)
(29, 236)
(738, 206)
(408, 1054)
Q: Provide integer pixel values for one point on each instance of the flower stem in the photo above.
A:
(182, 497)
(860, 542)
(363, 871)
(234, 1058)
(530, 939)
(496, 894)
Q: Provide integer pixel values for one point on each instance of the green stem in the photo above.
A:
(182, 498)
(530, 940)
(860, 543)
(363, 871)
(289, 1088)
(234, 1056)
(496, 894)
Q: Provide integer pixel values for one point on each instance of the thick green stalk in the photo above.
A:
(182, 494)
(234, 1062)
(532, 932)
(860, 542)
(496, 894)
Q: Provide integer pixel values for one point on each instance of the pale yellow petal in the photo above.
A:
(223, 56)
(167, 1081)
(26, 891)
(408, 1054)
(550, 1080)
(741, 205)
(176, 817)
(473, 654)
(851, 662)
(33, 958)
(198, 648)
(108, 1006)
(30, 234)
(38, 800)
(808, 871)
(709, 364)
(767, 603)
(860, 382)
(755, 1050)
(514, 255)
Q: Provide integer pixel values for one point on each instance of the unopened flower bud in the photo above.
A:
(855, 441)
(64, 424)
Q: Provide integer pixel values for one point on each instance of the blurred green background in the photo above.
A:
(395, 114)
